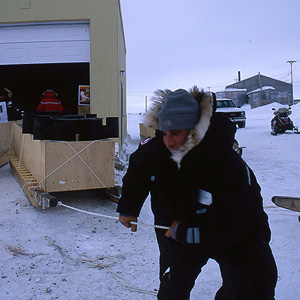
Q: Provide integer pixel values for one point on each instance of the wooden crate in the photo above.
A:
(66, 166)
(5, 140)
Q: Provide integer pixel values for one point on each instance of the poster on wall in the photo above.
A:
(3, 112)
(84, 95)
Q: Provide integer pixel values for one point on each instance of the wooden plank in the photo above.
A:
(291, 203)
(92, 170)
(36, 196)
(31, 152)
(5, 141)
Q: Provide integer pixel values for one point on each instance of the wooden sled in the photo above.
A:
(36, 196)
(41, 199)
(45, 167)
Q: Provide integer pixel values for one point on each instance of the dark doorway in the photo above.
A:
(28, 82)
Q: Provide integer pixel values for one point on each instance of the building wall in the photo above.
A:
(259, 81)
(122, 76)
(107, 43)
(260, 98)
(238, 97)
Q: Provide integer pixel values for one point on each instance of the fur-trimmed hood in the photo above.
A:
(197, 134)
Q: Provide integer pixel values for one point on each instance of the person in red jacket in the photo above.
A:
(50, 102)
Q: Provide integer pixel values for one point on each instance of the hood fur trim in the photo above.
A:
(197, 134)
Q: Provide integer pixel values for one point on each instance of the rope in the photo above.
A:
(99, 265)
(110, 217)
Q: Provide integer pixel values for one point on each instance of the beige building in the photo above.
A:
(61, 45)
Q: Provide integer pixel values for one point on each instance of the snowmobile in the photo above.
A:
(282, 122)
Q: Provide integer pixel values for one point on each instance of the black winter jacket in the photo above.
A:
(211, 190)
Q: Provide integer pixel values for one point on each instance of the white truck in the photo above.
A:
(233, 112)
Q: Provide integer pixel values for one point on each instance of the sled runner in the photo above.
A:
(291, 203)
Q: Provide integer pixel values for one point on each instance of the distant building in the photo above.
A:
(257, 91)
(238, 96)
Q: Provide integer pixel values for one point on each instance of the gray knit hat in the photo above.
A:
(180, 111)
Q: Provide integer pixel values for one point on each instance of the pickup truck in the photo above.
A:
(233, 112)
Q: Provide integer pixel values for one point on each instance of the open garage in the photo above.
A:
(36, 57)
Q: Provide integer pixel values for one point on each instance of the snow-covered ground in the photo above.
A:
(59, 253)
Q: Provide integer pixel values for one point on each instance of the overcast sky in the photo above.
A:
(180, 43)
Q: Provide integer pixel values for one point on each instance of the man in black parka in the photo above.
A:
(13, 109)
(208, 196)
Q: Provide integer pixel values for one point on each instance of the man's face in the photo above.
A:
(174, 139)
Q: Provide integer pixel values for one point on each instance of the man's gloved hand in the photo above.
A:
(172, 230)
(180, 232)
(125, 220)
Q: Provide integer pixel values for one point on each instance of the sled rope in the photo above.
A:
(109, 217)
(98, 265)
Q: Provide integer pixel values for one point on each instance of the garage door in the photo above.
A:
(44, 43)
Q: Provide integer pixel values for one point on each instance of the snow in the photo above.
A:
(33, 241)
(232, 90)
(264, 88)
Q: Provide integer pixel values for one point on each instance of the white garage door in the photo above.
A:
(44, 43)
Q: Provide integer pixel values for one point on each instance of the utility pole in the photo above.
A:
(291, 63)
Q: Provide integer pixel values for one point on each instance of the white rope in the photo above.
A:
(99, 265)
(110, 217)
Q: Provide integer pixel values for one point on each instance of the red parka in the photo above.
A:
(50, 102)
